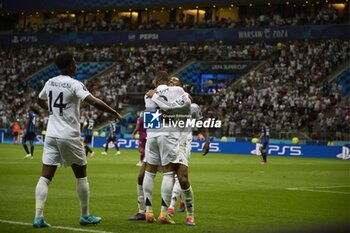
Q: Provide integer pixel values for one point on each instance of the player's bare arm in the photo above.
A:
(83, 104)
(206, 146)
(111, 132)
(26, 125)
(150, 93)
(135, 130)
(260, 136)
(42, 103)
(99, 104)
(84, 126)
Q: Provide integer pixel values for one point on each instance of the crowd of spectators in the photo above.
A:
(133, 71)
(135, 67)
(334, 124)
(16, 64)
(327, 15)
(285, 92)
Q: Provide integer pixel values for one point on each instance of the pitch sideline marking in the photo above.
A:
(317, 189)
(56, 227)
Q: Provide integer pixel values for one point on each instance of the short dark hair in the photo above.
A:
(161, 76)
(64, 61)
(181, 81)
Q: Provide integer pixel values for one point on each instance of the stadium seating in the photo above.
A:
(285, 89)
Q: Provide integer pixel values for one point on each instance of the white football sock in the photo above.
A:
(189, 201)
(176, 193)
(83, 191)
(148, 185)
(41, 190)
(141, 199)
(166, 190)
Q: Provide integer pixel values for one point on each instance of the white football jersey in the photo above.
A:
(196, 113)
(63, 95)
(171, 99)
(149, 104)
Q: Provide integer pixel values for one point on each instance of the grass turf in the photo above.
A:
(233, 193)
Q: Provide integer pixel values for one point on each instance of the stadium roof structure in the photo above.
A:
(10, 6)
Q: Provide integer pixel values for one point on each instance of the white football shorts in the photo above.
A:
(58, 151)
(162, 150)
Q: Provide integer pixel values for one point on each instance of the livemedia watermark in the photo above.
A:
(157, 120)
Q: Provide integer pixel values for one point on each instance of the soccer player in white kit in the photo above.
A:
(162, 144)
(61, 96)
(184, 154)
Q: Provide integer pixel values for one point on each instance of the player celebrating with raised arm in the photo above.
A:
(61, 96)
(112, 137)
(29, 133)
(88, 132)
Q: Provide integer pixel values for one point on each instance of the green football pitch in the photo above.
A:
(233, 193)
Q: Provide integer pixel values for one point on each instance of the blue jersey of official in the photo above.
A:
(266, 131)
(31, 122)
(89, 127)
(113, 129)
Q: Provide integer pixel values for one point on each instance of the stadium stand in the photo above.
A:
(105, 21)
(285, 86)
(274, 74)
(288, 87)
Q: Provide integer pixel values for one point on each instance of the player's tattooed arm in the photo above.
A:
(99, 104)
(43, 104)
